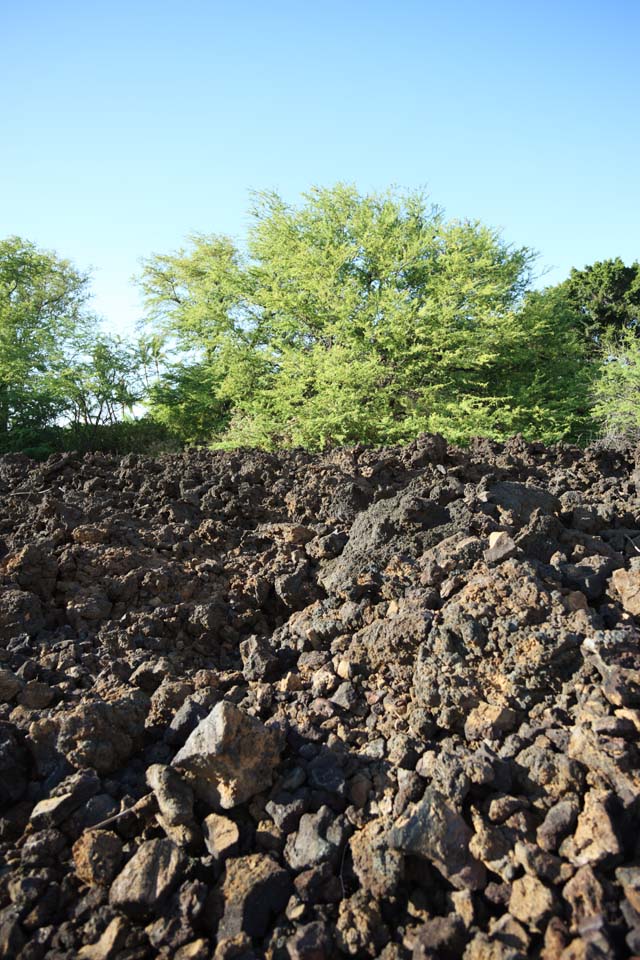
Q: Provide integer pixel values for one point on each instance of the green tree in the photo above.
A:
(616, 391)
(102, 384)
(42, 313)
(607, 296)
(363, 318)
(185, 400)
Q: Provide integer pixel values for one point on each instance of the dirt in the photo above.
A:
(373, 703)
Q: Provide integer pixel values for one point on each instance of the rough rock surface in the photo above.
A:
(372, 703)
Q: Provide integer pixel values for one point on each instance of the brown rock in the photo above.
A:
(10, 686)
(433, 829)
(254, 888)
(596, 837)
(584, 746)
(148, 878)
(110, 944)
(221, 836)
(629, 879)
(97, 856)
(531, 902)
(442, 937)
(488, 721)
(313, 941)
(627, 585)
(230, 756)
(585, 897)
(36, 695)
(378, 867)
(501, 547)
(234, 948)
(360, 931)
(196, 950)
(174, 796)
(20, 612)
(556, 938)
(482, 948)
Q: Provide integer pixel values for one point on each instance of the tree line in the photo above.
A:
(347, 318)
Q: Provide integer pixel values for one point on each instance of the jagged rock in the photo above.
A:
(320, 836)
(12, 937)
(531, 902)
(103, 734)
(254, 888)
(627, 586)
(418, 620)
(521, 500)
(10, 686)
(20, 612)
(14, 765)
(378, 867)
(314, 941)
(36, 695)
(230, 756)
(482, 948)
(75, 791)
(148, 878)
(629, 878)
(434, 830)
(258, 659)
(221, 836)
(596, 837)
(109, 945)
(585, 896)
(443, 937)
(489, 721)
(174, 796)
(585, 746)
(558, 822)
(360, 931)
(501, 547)
(98, 856)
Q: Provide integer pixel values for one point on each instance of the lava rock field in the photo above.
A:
(368, 703)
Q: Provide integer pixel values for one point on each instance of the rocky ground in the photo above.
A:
(368, 704)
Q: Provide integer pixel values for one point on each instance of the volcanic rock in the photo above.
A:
(434, 830)
(230, 756)
(147, 879)
(254, 888)
(360, 703)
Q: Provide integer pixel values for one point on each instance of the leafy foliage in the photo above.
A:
(42, 299)
(360, 318)
(607, 296)
(617, 389)
(62, 382)
(349, 318)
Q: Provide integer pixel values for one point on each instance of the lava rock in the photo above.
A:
(254, 888)
(434, 830)
(148, 878)
(230, 756)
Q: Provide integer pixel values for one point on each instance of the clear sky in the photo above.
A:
(130, 123)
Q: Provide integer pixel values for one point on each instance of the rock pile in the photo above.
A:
(366, 704)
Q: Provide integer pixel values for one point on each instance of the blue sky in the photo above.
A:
(127, 125)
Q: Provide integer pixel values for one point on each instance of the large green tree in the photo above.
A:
(616, 391)
(102, 383)
(604, 298)
(607, 296)
(360, 318)
(42, 314)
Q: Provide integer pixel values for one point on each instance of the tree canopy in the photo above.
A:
(346, 318)
(42, 301)
(61, 377)
(360, 318)
(607, 296)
